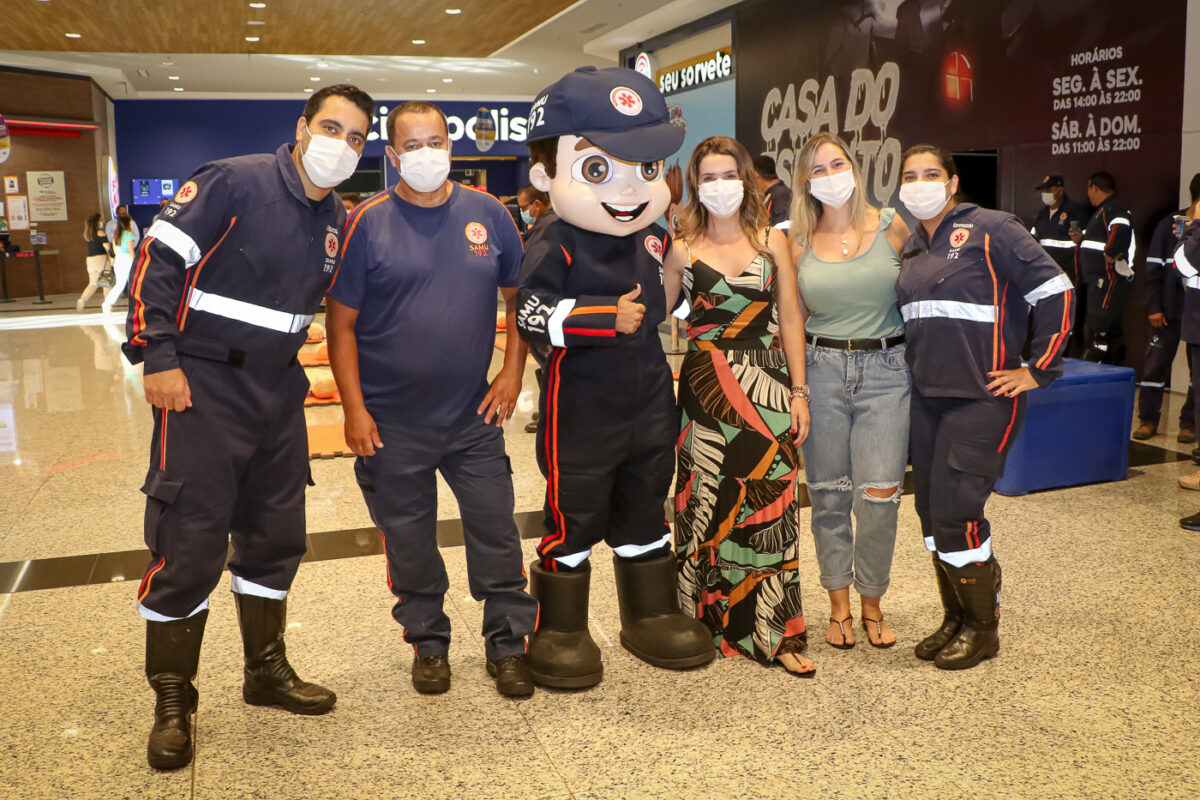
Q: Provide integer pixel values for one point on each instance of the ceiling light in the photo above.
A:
(172, 77)
(308, 89)
(251, 38)
(168, 63)
(447, 80)
(258, 5)
(432, 91)
(314, 78)
(255, 22)
(418, 41)
(453, 11)
(74, 35)
(322, 64)
(179, 88)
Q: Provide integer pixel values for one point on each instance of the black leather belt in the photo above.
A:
(854, 344)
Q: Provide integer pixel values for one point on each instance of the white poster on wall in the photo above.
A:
(18, 212)
(47, 196)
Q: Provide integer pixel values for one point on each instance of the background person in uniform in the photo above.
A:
(1106, 266)
(777, 196)
(537, 214)
(1187, 262)
(744, 407)
(969, 278)
(1164, 296)
(1059, 228)
(227, 281)
(97, 257)
(411, 325)
(848, 262)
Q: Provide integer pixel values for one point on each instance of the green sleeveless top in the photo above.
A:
(855, 298)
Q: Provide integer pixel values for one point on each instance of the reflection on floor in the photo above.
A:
(1095, 692)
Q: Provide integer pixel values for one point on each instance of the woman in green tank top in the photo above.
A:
(847, 256)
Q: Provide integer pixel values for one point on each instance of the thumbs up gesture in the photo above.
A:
(629, 312)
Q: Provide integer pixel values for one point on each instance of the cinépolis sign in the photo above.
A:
(695, 72)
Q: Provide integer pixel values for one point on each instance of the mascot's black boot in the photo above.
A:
(978, 590)
(270, 679)
(562, 654)
(652, 626)
(951, 622)
(172, 654)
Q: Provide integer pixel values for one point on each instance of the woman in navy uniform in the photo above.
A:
(968, 280)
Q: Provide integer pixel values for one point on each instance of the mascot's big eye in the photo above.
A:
(650, 171)
(595, 168)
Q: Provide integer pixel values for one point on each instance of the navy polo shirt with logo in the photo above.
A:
(424, 282)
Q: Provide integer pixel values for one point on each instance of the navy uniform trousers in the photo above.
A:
(234, 466)
(1156, 374)
(399, 486)
(957, 448)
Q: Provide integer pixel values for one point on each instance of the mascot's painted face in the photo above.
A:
(596, 191)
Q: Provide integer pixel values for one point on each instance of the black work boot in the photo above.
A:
(513, 678)
(951, 622)
(978, 590)
(562, 654)
(269, 678)
(172, 654)
(652, 626)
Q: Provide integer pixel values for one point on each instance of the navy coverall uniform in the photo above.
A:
(965, 297)
(1052, 229)
(1187, 262)
(225, 285)
(608, 423)
(1164, 295)
(1109, 234)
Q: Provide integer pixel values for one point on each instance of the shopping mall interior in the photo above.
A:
(1093, 693)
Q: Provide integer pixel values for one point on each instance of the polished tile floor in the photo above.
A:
(1095, 693)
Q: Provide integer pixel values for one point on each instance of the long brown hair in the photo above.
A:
(752, 216)
(806, 209)
(124, 226)
(91, 226)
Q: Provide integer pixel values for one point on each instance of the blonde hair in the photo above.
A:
(752, 216)
(806, 209)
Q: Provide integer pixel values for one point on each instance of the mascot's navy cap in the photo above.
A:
(620, 111)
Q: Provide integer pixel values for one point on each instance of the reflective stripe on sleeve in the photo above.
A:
(1056, 243)
(1183, 265)
(248, 312)
(1057, 285)
(177, 240)
(1193, 282)
(554, 326)
(1088, 244)
(1118, 221)
(952, 309)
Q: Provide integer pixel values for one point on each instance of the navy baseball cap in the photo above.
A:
(1049, 182)
(618, 110)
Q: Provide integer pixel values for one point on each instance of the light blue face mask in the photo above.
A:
(526, 217)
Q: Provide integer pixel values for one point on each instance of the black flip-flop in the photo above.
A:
(878, 632)
(841, 623)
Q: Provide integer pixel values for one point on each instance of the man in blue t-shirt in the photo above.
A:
(411, 324)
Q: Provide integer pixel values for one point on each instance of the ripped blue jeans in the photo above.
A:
(858, 440)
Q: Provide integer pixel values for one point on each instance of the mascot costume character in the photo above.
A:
(592, 290)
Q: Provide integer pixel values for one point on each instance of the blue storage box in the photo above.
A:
(1076, 430)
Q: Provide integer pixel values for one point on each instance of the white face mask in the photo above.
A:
(424, 170)
(1048, 198)
(833, 190)
(924, 199)
(722, 198)
(328, 162)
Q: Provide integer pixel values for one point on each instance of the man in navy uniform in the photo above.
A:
(1059, 229)
(1164, 294)
(1106, 265)
(412, 326)
(225, 285)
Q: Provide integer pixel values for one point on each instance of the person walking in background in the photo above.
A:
(968, 281)
(97, 257)
(123, 243)
(1164, 293)
(854, 459)
(777, 197)
(110, 227)
(744, 408)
